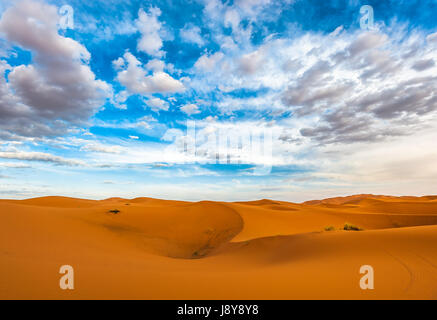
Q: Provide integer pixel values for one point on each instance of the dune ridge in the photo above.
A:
(147, 248)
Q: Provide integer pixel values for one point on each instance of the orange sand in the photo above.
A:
(157, 249)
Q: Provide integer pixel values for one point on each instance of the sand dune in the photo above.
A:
(148, 248)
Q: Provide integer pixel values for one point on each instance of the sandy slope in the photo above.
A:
(157, 249)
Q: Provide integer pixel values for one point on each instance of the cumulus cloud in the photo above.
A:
(252, 62)
(119, 100)
(190, 109)
(144, 122)
(54, 92)
(157, 104)
(192, 34)
(118, 63)
(149, 26)
(207, 62)
(155, 65)
(137, 79)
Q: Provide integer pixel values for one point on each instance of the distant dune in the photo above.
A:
(147, 248)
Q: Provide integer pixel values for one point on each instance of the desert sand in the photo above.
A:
(159, 249)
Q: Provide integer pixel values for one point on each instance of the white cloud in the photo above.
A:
(149, 26)
(252, 62)
(144, 125)
(192, 34)
(337, 31)
(157, 104)
(155, 65)
(106, 26)
(171, 134)
(232, 19)
(207, 63)
(15, 165)
(120, 99)
(219, 15)
(144, 122)
(252, 7)
(432, 37)
(137, 80)
(190, 109)
(40, 156)
(118, 63)
(101, 148)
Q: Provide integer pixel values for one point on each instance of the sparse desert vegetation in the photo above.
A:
(351, 227)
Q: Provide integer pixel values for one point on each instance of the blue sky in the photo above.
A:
(220, 100)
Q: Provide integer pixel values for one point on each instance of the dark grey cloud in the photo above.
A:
(365, 42)
(423, 64)
(289, 137)
(314, 89)
(344, 126)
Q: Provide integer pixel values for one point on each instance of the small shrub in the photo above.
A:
(330, 228)
(351, 227)
(115, 211)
